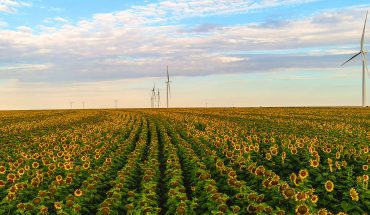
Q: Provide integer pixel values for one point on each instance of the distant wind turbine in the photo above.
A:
(364, 63)
(83, 105)
(168, 86)
(71, 104)
(153, 98)
(116, 103)
(158, 98)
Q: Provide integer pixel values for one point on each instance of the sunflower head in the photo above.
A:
(301, 196)
(329, 186)
(2, 169)
(303, 174)
(57, 205)
(314, 198)
(314, 163)
(288, 193)
(78, 193)
(2, 183)
(302, 209)
(354, 195)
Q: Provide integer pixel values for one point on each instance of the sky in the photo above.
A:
(220, 53)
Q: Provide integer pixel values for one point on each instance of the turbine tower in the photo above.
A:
(168, 86)
(158, 98)
(364, 63)
(83, 105)
(116, 103)
(71, 104)
(153, 98)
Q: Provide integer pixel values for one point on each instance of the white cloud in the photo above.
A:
(10, 6)
(126, 45)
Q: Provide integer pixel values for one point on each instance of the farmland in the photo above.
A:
(185, 161)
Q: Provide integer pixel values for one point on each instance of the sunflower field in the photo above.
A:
(185, 161)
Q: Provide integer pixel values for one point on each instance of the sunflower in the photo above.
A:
(69, 180)
(301, 196)
(302, 209)
(42, 193)
(314, 198)
(84, 158)
(35, 165)
(43, 210)
(354, 194)
(36, 201)
(365, 177)
(268, 156)
(2, 183)
(2, 169)
(274, 151)
(314, 163)
(293, 177)
(21, 171)
(288, 193)
(59, 178)
(365, 167)
(322, 211)
(337, 155)
(52, 167)
(294, 151)
(303, 174)
(58, 205)
(329, 186)
(78, 193)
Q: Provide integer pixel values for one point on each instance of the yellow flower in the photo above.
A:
(2, 169)
(302, 209)
(303, 174)
(354, 194)
(301, 196)
(329, 186)
(2, 183)
(78, 192)
(58, 205)
(314, 198)
(35, 165)
(314, 163)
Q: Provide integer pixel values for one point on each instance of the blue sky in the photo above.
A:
(224, 53)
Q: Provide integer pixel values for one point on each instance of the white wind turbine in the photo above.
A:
(153, 98)
(168, 86)
(364, 63)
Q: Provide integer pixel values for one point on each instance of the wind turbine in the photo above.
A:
(168, 86)
(71, 104)
(83, 105)
(153, 99)
(116, 103)
(158, 98)
(364, 63)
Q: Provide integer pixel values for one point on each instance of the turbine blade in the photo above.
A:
(351, 58)
(363, 33)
